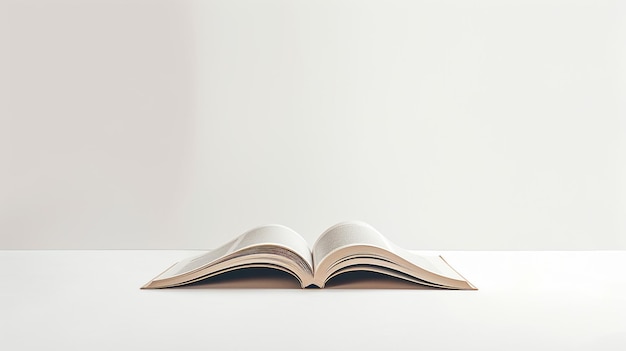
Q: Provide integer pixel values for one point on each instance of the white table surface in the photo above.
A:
(90, 300)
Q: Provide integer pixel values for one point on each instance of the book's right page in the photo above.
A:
(346, 234)
(354, 246)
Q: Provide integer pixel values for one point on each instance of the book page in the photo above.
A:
(435, 264)
(360, 233)
(276, 235)
(346, 234)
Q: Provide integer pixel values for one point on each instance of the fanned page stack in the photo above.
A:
(345, 247)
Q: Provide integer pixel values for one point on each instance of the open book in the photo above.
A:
(345, 247)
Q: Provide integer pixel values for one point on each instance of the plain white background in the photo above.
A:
(540, 301)
(445, 124)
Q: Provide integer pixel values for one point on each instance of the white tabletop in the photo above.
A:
(90, 300)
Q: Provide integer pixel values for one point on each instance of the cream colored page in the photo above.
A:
(346, 234)
(360, 233)
(266, 235)
(433, 264)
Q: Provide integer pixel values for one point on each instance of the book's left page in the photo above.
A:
(270, 246)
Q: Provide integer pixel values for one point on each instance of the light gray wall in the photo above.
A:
(445, 124)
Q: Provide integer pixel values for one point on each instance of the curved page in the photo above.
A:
(359, 233)
(274, 234)
(347, 234)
